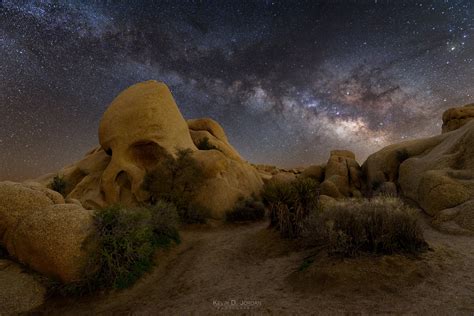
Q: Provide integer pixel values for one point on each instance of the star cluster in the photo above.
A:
(288, 80)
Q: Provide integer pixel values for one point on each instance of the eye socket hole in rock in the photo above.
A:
(146, 153)
(108, 151)
(123, 180)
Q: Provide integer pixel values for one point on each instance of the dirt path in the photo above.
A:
(219, 269)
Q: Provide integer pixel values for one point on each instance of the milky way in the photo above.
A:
(288, 80)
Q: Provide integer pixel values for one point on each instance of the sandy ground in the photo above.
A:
(248, 269)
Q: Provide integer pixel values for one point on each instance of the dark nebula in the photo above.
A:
(288, 80)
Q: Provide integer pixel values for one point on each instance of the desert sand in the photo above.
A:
(224, 262)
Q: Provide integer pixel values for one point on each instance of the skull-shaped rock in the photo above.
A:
(142, 122)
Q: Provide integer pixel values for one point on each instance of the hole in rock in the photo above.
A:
(146, 154)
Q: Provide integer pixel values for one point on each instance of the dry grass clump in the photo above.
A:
(382, 225)
(290, 203)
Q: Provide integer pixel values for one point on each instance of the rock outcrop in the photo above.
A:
(340, 177)
(83, 179)
(208, 134)
(141, 122)
(139, 127)
(437, 173)
(456, 117)
(42, 232)
(225, 181)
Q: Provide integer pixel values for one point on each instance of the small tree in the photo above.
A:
(177, 180)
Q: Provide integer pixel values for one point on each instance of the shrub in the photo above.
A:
(58, 184)
(176, 180)
(248, 209)
(204, 144)
(382, 225)
(290, 203)
(127, 241)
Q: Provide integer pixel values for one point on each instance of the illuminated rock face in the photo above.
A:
(140, 127)
(42, 232)
(141, 122)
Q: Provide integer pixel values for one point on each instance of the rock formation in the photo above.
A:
(142, 124)
(436, 173)
(206, 128)
(55, 236)
(44, 233)
(142, 120)
(456, 117)
(273, 174)
(342, 175)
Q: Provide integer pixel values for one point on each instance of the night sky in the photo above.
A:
(288, 80)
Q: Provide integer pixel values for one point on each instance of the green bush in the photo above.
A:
(58, 184)
(248, 209)
(176, 180)
(204, 144)
(382, 225)
(290, 203)
(128, 239)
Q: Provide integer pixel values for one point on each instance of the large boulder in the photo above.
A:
(140, 127)
(456, 117)
(41, 231)
(142, 123)
(315, 172)
(437, 172)
(342, 175)
(20, 292)
(224, 182)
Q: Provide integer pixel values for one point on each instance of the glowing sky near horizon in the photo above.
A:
(288, 80)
